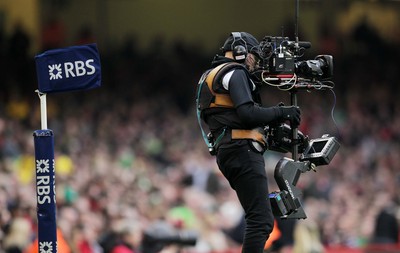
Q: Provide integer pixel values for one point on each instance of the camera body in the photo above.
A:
(161, 234)
(277, 58)
(280, 59)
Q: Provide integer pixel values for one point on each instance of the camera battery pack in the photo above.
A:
(277, 203)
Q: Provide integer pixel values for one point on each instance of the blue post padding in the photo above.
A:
(45, 190)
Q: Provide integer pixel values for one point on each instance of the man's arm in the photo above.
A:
(252, 114)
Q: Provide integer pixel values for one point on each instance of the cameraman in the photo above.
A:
(233, 112)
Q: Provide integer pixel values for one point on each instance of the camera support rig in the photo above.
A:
(286, 203)
(281, 71)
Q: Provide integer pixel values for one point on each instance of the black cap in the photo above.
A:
(244, 39)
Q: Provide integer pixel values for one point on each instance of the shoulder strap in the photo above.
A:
(221, 100)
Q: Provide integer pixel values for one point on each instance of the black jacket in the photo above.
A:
(247, 112)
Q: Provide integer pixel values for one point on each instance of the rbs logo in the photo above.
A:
(71, 69)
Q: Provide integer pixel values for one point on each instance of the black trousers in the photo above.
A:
(244, 168)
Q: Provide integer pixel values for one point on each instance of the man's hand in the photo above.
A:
(291, 113)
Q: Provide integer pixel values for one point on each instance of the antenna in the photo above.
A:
(296, 24)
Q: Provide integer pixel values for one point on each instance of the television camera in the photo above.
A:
(161, 234)
(282, 67)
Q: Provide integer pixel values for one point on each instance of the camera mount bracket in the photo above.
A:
(286, 203)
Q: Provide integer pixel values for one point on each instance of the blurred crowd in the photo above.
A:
(130, 154)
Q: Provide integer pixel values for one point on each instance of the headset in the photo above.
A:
(239, 47)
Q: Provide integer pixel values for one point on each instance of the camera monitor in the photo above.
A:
(320, 151)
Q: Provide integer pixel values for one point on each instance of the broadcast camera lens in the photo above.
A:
(321, 67)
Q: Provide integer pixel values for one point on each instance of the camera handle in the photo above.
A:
(295, 133)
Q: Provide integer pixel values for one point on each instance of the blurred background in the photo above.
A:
(130, 154)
